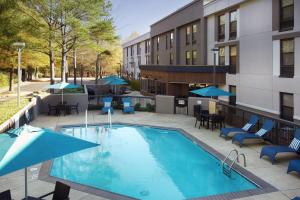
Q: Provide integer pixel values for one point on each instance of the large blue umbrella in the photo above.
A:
(61, 86)
(211, 91)
(113, 80)
(36, 145)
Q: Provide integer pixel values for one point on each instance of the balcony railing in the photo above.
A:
(237, 116)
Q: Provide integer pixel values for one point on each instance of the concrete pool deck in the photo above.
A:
(287, 184)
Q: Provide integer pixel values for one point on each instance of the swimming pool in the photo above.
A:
(146, 163)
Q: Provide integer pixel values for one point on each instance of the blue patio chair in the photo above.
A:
(107, 105)
(294, 166)
(296, 198)
(226, 132)
(240, 137)
(127, 107)
(272, 151)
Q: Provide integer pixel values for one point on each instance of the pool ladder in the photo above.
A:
(227, 167)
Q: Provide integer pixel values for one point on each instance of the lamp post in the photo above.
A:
(20, 46)
(215, 51)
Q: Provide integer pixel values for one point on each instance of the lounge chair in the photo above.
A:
(5, 195)
(61, 192)
(127, 107)
(294, 166)
(296, 198)
(272, 151)
(107, 105)
(230, 132)
(240, 137)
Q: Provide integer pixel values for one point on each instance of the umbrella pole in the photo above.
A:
(26, 189)
(62, 96)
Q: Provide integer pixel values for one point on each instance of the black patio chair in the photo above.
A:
(5, 195)
(61, 192)
(74, 107)
(217, 120)
(52, 108)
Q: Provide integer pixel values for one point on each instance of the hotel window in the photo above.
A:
(171, 39)
(221, 28)
(233, 25)
(222, 56)
(194, 32)
(287, 58)
(127, 51)
(131, 51)
(138, 49)
(286, 15)
(287, 106)
(167, 40)
(157, 59)
(232, 59)
(187, 35)
(232, 90)
(171, 58)
(187, 57)
(147, 46)
(194, 57)
(157, 44)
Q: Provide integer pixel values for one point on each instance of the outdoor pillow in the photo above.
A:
(261, 132)
(246, 127)
(126, 104)
(295, 144)
(107, 104)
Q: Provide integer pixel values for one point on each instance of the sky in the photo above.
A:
(137, 15)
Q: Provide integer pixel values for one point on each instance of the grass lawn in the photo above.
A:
(9, 108)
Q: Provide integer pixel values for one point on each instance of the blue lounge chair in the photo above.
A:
(226, 132)
(127, 107)
(272, 151)
(240, 137)
(296, 198)
(107, 105)
(294, 166)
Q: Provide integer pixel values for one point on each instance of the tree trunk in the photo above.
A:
(63, 54)
(75, 66)
(51, 58)
(97, 68)
(11, 73)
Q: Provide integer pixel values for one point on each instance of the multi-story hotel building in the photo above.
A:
(178, 54)
(257, 57)
(136, 52)
(260, 41)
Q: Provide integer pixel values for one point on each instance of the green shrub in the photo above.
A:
(135, 85)
(150, 108)
(137, 107)
(4, 79)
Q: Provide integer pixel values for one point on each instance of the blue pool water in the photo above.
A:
(146, 163)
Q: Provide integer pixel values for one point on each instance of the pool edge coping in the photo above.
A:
(262, 186)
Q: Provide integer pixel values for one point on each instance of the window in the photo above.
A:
(221, 28)
(232, 59)
(233, 25)
(287, 106)
(171, 39)
(287, 58)
(157, 44)
(171, 58)
(147, 46)
(167, 41)
(222, 56)
(232, 99)
(194, 57)
(157, 59)
(127, 51)
(187, 35)
(286, 15)
(139, 60)
(131, 51)
(187, 57)
(138, 49)
(194, 29)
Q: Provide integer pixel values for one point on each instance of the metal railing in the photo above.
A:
(146, 103)
(282, 133)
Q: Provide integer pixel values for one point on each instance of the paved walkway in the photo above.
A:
(287, 184)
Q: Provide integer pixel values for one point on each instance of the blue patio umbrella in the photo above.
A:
(114, 81)
(61, 86)
(211, 91)
(35, 145)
